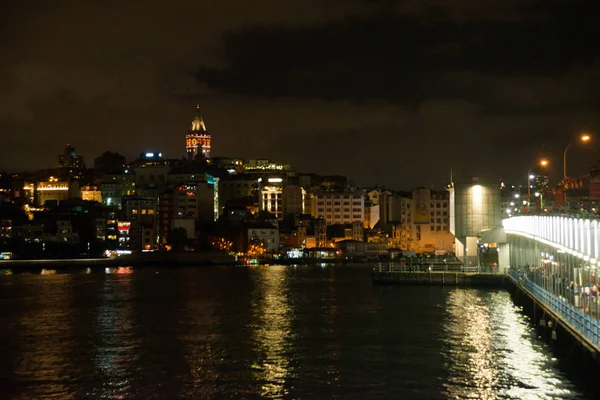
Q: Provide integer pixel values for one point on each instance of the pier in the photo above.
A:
(448, 274)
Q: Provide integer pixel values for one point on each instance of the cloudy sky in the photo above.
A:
(392, 92)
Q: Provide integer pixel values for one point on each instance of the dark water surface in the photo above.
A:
(265, 332)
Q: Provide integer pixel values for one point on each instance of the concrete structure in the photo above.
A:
(474, 209)
(294, 197)
(430, 230)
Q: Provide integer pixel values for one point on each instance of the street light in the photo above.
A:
(543, 163)
(584, 138)
(541, 196)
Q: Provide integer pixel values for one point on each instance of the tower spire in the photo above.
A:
(198, 122)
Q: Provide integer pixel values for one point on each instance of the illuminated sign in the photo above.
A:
(149, 155)
(275, 180)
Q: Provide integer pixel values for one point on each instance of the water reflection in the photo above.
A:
(272, 331)
(490, 352)
(115, 352)
(265, 332)
(45, 330)
(199, 338)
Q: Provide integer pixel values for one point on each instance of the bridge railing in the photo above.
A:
(582, 322)
(433, 267)
(577, 236)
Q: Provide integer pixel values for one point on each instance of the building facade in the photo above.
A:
(338, 207)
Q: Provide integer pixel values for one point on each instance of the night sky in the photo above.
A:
(391, 92)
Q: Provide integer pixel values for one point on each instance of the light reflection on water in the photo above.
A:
(271, 331)
(116, 349)
(491, 352)
(265, 332)
(44, 337)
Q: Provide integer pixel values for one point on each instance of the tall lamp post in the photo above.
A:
(584, 137)
(543, 163)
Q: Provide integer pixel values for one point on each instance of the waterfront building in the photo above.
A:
(64, 232)
(141, 213)
(338, 207)
(395, 216)
(6, 226)
(197, 140)
(431, 221)
(474, 210)
(265, 234)
(29, 232)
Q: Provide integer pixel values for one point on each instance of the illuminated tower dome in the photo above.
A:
(197, 138)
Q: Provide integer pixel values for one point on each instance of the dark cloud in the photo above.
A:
(395, 92)
(399, 58)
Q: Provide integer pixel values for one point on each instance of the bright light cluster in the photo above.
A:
(579, 237)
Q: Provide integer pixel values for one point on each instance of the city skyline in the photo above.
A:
(386, 92)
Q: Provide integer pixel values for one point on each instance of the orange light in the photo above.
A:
(585, 137)
(544, 163)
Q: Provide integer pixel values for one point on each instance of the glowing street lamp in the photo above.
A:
(583, 138)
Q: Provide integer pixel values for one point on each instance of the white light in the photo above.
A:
(275, 180)
(537, 194)
(160, 154)
(260, 179)
(517, 195)
(508, 210)
(149, 155)
(531, 176)
(524, 202)
(512, 203)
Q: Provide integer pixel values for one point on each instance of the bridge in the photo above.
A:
(554, 260)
